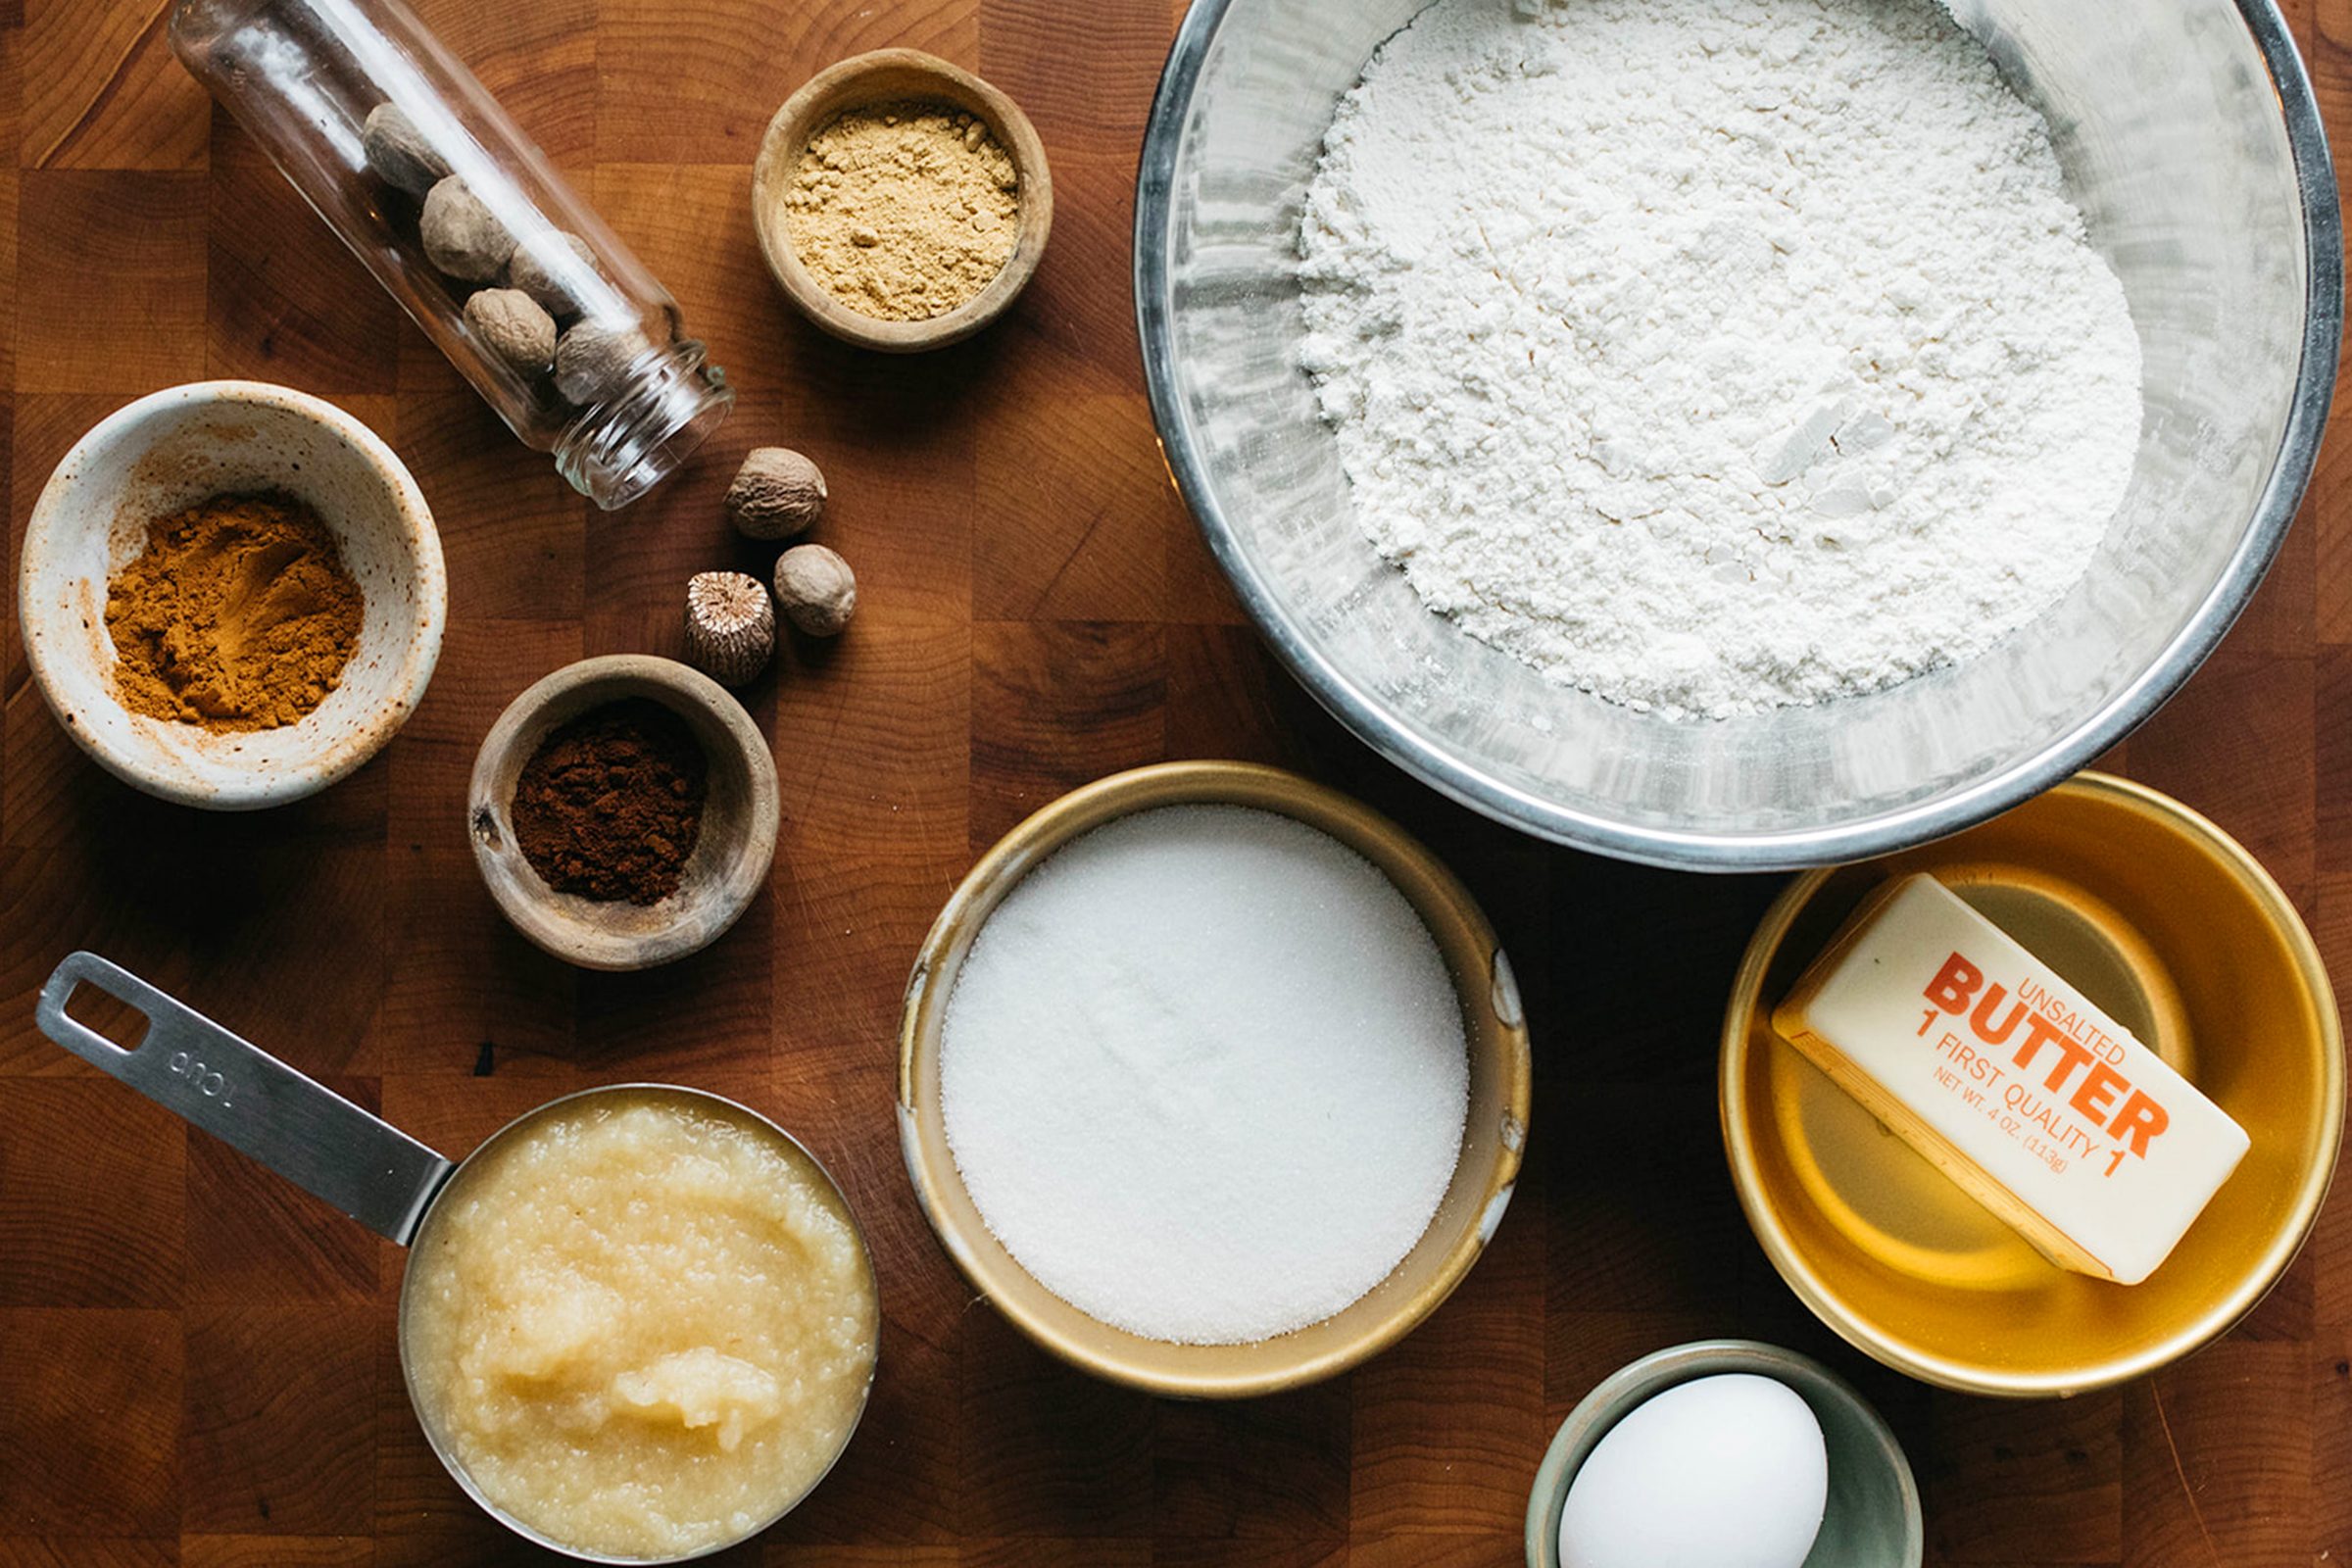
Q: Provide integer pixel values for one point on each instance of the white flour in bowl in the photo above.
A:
(1715, 357)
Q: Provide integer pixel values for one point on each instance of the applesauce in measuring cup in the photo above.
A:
(641, 1323)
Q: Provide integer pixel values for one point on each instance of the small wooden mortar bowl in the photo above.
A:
(889, 75)
(731, 857)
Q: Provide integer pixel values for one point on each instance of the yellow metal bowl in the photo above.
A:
(2174, 929)
(1492, 1139)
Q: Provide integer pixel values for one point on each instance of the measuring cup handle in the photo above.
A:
(251, 1101)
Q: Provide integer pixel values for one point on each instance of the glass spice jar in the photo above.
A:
(392, 140)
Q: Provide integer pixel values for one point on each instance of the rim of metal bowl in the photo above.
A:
(1371, 720)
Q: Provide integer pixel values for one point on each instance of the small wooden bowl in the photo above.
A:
(886, 75)
(730, 859)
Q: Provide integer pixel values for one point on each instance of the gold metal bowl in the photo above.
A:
(1492, 1139)
(2166, 924)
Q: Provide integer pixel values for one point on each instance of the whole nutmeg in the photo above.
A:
(461, 236)
(777, 494)
(529, 271)
(592, 359)
(399, 153)
(816, 589)
(730, 625)
(514, 326)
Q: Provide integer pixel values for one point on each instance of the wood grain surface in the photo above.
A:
(196, 1362)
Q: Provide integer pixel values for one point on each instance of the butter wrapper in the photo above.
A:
(2009, 1081)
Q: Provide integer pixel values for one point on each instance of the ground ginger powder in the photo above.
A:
(237, 616)
(904, 211)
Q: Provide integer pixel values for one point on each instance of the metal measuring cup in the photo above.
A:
(350, 1158)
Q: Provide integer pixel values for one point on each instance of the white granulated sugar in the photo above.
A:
(1205, 1075)
(1715, 357)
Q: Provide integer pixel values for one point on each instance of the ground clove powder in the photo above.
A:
(237, 616)
(610, 804)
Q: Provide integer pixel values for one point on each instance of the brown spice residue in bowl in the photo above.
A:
(904, 211)
(237, 616)
(610, 804)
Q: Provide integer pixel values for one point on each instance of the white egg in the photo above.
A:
(1723, 1472)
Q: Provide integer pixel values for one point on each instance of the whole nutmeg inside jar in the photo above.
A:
(460, 217)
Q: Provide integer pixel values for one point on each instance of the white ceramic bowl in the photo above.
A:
(168, 451)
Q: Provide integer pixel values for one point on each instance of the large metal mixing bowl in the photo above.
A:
(2189, 137)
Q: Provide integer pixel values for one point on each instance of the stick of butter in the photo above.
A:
(2040, 1107)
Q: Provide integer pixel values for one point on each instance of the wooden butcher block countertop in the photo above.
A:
(196, 1362)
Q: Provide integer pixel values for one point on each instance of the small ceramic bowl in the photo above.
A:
(2168, 926)
(1492, 1138)
(167, 452)
(729, 863)
(1872, 1518)
(888, 76)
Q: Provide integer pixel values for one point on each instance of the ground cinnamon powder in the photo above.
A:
(237, 616)
(610, 804)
